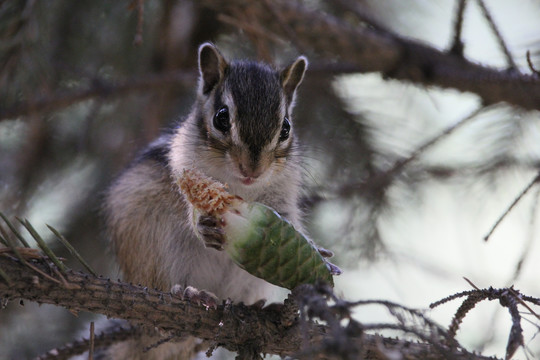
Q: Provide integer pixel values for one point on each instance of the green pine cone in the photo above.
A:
(268, 246)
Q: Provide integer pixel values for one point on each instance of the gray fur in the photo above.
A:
(148, 220)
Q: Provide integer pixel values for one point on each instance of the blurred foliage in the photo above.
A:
(55, 162)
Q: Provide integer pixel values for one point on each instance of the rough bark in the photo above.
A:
(234, 326)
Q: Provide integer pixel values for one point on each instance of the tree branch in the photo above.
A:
(231, 326)
(374, 49)
(103, 339)
(98, 88)
(359, 48)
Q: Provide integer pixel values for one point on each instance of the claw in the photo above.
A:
(275, 307)
(212, 242)
(178, 291)
(207, 220)
(259, 304)
(334, 269)
(201, 297)
(325, 252)
(211, 234)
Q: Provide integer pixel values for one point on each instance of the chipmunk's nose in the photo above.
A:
(249, 171)
(249, 166)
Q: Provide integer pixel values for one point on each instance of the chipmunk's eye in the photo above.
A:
(221, 119)
(285, 130)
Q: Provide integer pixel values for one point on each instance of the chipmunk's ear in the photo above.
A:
(212, 66)
(292, 76)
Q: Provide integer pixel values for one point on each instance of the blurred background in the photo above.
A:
(85, 84)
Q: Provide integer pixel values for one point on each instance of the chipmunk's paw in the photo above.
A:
(193, 295)
(210, 233)
(259, 304)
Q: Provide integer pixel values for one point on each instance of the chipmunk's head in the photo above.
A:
(244, 118)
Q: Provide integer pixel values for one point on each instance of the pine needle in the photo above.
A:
(71, 249)
(12, 246)
(3, 235)
(43, 246)
(514, 203)
(14, 230)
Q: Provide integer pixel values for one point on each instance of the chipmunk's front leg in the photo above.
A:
(209, 232)
(206, 229)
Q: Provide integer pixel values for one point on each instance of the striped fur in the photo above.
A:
(149, 223)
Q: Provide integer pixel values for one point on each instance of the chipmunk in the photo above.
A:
(240, 132)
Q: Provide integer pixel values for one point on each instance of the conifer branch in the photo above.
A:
(374, 49)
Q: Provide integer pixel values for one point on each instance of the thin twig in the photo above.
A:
(63, 280)
(42, 273)
(457, 43)
(158, 343)
(531, 236)
(494, 28)
(466, 306)
(450, 298)
(515, 338)
(508, 298)
(106, 338)
(386, 176)
(26, 253)
(531, 65)
(514, 203)
(449, 130)
(91, 347)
